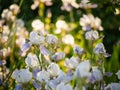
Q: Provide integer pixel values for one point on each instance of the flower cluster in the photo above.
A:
(54, 55)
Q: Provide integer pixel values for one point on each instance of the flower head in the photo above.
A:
(32, 60)
(43, 76)
(36, 39)
(83, 69)
(51, 39)
(99, 49)
(22, 76)
(89, 22)
(53, 69)
(91, 35)
(58, 56)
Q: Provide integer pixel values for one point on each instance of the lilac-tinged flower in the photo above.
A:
(72, 63)
(25, 47)
(2, 62)
(79, 51)
(108, 74)
(18, 87)
(32, 61)
(91, 35)
(22, 76)
(44, 50)
(36, 85)
(86, 4)
(63, 86)
(54, 69)
(83, 70)
(92, 78)
(36, 39)
(35, 71)
(118, 74)
(113, 86)
(89, 22)
(43, 76)
(58, 56)
(51, 39)
(51, 85)
(97, 73)
(99, 49)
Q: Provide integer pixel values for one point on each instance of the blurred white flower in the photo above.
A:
(58, 56)
(51, 39)
(35, 38)
(14, 8)
(72, 63)
(5, 51)
(79, 51)
(8, 15)
(22, 76)
(68, 39)
(31, 60)
(113, 86)
(19, 24)
(63, 86)
(68, 4)
(37, 25)
(53, 69)
(91, 35)
(20, 41)
(37, 2)
(97, 73)
(118, 74)
(89, 22)
(5, 33)
(43, 76)
(99, 49)
(61, 25)
(83, 70)
(86, 4)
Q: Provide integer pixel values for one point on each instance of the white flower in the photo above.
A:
(51, 39)
(89, 22)
(79, 51)
(113, 86)
(35, 38)
(91, 35)
(63, 86)
(7, 14)
(61, 25)
(43, 76)
(32, 60)
(53, 69)
(14, 8)
(87, 4)
(58, 56)
(83, 69)
(20, 23)
(68, 4)
(72, 62)
(37, 25)
(97, 73)
(99, 49)
(22, 76)
(68, 39)
(118, 74)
